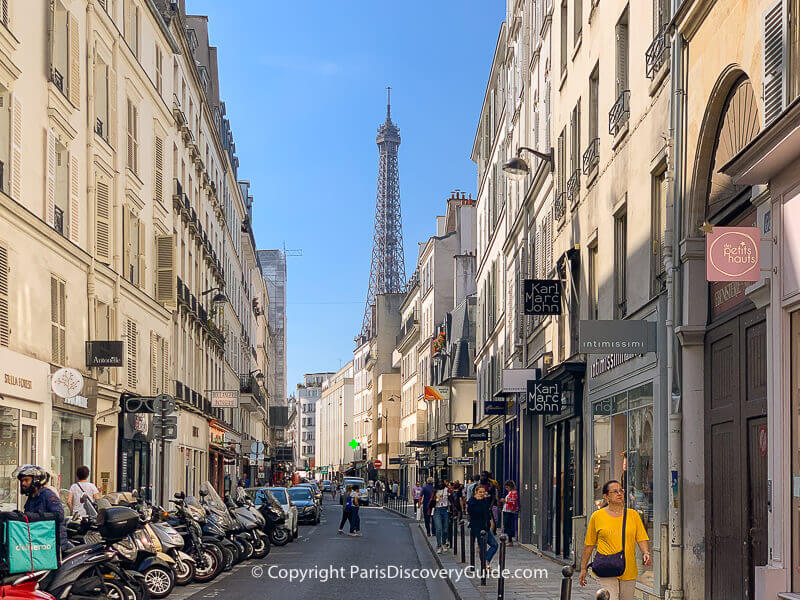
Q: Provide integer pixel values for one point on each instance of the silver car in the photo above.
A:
(279, 493)
(363, 492)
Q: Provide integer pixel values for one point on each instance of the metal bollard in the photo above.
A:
(603, 594)
(501, 582)
(453, 535)
(471, 549)
(463, 545)
(566, 582)
(482, 554)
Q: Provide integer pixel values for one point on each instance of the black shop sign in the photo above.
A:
(542, 297)
(544, 397)
(105, 353)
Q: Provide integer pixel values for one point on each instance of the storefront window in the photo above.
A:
(9, 457)
(71, 447)
(623, 450)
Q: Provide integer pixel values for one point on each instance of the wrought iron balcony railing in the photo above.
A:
(58, 80)
(591, 158)
(574, 186)
(58, 220)
(559, 206)
(619, 113)
(657, 53)
(98, 127)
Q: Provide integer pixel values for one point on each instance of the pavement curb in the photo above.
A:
(397, 512)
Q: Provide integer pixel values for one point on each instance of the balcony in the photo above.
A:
(58, 79)
(251, 394)
(619, 113)
(193, 222)
(657, 54)
(559, 206)
(58, 220)
(178, 390)
(407, 331)
(193, 303)
(574, 187)
(177, 112)
(99, 128)
(591, 158)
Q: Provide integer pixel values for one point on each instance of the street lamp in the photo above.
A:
(516, 168)
(218, 299)
(259, 376)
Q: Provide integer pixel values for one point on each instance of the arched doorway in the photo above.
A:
(734, 372)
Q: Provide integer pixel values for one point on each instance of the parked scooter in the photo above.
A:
(251, 519)
(218, 514)
(171, 543)
(207, 557)
(213, 533)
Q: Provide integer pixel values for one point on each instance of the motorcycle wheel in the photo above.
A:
(159, 580)
(248, 550)
(260, 546)
(296, 533)
(213, 558)
(184, 572)
(116, 590)
(229, 558)
(279, 536)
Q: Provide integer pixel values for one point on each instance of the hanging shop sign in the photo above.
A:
(395, 460)
(515, 381)
(84, 403)
(217, 435)
(478, 435)
(457, 429)
(604, 337)
(104, 353)
(224, 398)
(542, 297)
(494, 407)
(66, 383)
(733, 254)
(459, 460)
(544, 397)
(437, 392)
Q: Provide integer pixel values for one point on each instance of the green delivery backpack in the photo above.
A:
(30, 544)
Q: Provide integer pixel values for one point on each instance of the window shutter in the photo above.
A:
(141, 258)
(622, 58)
(4, 317)
(561, 166)
(165, 383)
(16, 148)
(54, 321)
(111, 74)
(774, 38)
(58, 321)
(50, 184)
(74, 201)
(130, 158)
(74, 57)
(126, 244)
(158, 170)
(165, 271)
(4, 16)
(154, 342)
(662, 226)
(102, 245)
(130, 342)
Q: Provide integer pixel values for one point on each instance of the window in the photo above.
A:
(159, 78)
(101, 100)
(131, 25)
(133, 248)
(592, 283)
(59, 47)
(58, 321)
(575, 152)
(622, 54)
(623, 450)
(61, 190)
(659, 226)
(133, 137)
(594, 102)
(563, 37)
(620, 264)
(577, 8)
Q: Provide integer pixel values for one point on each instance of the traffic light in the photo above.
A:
(363, 454)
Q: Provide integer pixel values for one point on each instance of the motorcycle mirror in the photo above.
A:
(203, 492)
(135, 493)
(180, 495)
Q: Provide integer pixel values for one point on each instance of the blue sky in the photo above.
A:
(304, 85)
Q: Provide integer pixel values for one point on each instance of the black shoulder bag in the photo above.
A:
(611, 565)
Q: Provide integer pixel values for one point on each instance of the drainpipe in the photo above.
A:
(673, 319)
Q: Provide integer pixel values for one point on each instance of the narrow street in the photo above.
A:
(387, 540)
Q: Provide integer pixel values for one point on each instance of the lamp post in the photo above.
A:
(517, 168)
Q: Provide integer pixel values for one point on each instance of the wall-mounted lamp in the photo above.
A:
(516, 168)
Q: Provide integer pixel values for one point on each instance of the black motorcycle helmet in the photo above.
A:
(39, 478)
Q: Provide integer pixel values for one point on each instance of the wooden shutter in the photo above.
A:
(622, 58)
(74, 58)
(111, 74)
(102, 244)
(58, 321)
(142, 256)
(50, 184)
(774, 39)
(74, 200)
(165, 383)
(4, 316)
(154, 343)
(561, 166)
(166, 281)
(158, 169)
(131, 354)
(16, 148)
(130, 124)
(4, 15)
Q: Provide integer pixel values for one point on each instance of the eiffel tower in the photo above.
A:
(388, 271)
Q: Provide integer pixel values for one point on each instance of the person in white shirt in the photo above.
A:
(441, 516)
(79, 489)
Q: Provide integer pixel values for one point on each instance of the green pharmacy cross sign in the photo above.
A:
(353, 444)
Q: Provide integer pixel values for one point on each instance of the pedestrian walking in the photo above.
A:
(479, 508)
(345, 509)
(355, 520)
(441, 516)
(82, 487)
(510, 511)
(469, 488)
(427, 494)
(396, 489)
(614, 563)
(416, 494)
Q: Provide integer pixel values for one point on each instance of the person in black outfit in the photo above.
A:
(479, 508)
(427, 494)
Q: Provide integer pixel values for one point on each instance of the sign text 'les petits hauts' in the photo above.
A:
(733, 254)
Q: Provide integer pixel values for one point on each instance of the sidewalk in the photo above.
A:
(519, 559)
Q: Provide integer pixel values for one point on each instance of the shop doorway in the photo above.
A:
(562, 443)
(736, 453)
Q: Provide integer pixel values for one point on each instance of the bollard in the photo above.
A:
(566, 582)
(453, 535)
(603, 594)
(463, 545)
(454, 525)
(471, 549)
(501, 582)
(482, 554)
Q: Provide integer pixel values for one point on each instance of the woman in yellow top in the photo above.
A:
(605, 533)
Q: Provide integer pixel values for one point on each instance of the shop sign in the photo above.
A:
(515, 381)
(85, 402)
(217, 436)
(459, 460)
(609, 362)
(498, 435)
(494, 407)
(733, 254)
(105, 353)
(224, 398)
(602, 337)
(478, 435)
(544, 397)
(138, 426)
(67, 383)
(22, 376)
(437, 392)
(395, 460)
(542, 297)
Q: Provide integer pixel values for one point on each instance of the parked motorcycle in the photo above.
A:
(251, 519)
(213, 533)
(207, 557)
(219, 515)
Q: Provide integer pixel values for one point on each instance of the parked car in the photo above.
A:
(326, 485)
(363, 492)
(279, 496)
(307, 508)
(315, 491)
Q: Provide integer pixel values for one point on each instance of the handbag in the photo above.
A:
(611, 565)
(29, 542)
